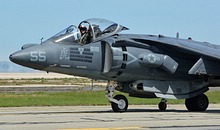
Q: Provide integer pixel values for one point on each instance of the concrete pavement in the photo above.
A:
(138, 117)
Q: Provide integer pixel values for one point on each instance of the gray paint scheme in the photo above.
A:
(142, 65)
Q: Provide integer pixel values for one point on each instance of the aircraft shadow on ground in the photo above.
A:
(110, 111)
(171, 110)
(152, 110)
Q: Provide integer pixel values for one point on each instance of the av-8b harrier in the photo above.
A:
(144, 66)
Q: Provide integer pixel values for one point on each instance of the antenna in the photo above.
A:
(177, 35)
(41, 39)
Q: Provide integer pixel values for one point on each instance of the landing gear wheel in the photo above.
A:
(162, 106)
(189, 103)
(198, 103)
(122, 104)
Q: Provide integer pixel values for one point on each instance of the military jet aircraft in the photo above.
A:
(144, 66)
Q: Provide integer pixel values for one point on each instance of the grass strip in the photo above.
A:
(81, 98)
(54, 81)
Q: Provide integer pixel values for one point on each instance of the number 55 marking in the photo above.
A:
(38, 56)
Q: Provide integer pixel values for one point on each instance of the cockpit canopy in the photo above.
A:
(70, 34)
(96, 29)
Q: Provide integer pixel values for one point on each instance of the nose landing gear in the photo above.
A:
(119, 103)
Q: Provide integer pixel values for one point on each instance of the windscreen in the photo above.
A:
(68, 35)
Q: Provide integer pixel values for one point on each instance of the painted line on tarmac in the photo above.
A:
(119, 128)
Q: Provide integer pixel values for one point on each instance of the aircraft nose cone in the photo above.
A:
(12, 58)
(24, 58)
(16, 57)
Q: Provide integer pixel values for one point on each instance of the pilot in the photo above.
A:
(85, 35)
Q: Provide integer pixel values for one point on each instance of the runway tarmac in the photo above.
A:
(138, 117)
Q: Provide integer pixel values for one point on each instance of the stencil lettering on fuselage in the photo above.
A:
(38, 56)
(64, 54)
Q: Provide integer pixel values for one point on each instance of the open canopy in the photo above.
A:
(95, 28)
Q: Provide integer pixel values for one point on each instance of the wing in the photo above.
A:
(199, 48)
(207, 55)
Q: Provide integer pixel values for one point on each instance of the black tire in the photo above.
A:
(198, 103)
(122, 106)
(201, 102)
(189, 103)
(162, 106)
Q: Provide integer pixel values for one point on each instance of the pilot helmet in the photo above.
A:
(82, 28)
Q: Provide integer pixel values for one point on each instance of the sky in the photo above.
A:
(27, 21)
